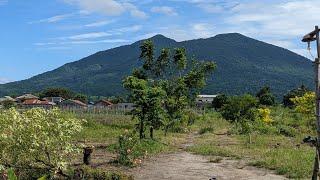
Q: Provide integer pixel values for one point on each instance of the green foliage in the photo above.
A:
(8, 104)
(57, 92)
(292, 94)
(131, 151)
(240, 108)
(206, 130)
(12, 175)
(93, 173)
(219, 101)
(163, 88)
(37, 139)
(116, 99)
(305, 104)
(266, 97)
(81, 97)
(125, 149)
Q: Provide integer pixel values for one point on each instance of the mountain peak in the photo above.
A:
(230, 35)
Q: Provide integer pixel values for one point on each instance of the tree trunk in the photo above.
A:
(141, 129)
(87, 155)
(151, 132)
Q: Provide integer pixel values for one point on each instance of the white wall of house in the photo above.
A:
(205, 99)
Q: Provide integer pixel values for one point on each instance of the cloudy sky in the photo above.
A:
(37, 35)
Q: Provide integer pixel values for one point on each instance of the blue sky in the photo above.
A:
(37, 35)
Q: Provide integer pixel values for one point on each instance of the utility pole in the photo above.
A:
(314, 36)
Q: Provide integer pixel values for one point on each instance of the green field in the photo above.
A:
(277, 146)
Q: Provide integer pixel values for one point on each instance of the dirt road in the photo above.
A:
(183, 165)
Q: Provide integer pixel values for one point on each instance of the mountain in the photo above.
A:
(243, 65)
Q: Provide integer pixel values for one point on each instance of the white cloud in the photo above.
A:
(4, 80)
(134, 28)
(59, 45)
(99, 23)
(53, 19)
(203, 30)
(3, 2)
(87, 36)
(107, 7)
(98, 41)
(282, 23)
(164, 10)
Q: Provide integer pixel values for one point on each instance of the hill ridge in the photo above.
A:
(244, 65)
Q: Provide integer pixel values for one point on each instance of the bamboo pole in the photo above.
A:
(317, 82)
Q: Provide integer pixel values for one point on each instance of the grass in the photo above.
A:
(106, 129)
(103, 128)
(277, 147)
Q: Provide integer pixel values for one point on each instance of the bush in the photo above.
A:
(125, 149)
(131, 150)
(37, 139)
(240, 107)
(266, 97)
(86, 172)
(8, 104)
(206, 130)
(219, 101)
(299, 92)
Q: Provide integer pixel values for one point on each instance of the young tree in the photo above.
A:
(163, 87)
(148, 101)
(265, 96)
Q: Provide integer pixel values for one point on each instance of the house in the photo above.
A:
(205, 99)
(33, 103)
(103, 104)
(72, 104)
(7, 98)
(24, 97)
(56, 100)
(7, 101)
(123, 106)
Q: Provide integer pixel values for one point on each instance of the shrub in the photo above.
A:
(37, 139)
(266, 97)
(305, 104)
(127, 142)
(206, 130)
(292, 94)
(264, 114)
(86, 172)
(219, 101)
(240, 107)
(131, 150)
(8, 104)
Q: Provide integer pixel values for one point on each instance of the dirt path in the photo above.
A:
(183, 165)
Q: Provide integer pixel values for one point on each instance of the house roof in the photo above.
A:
(108, 103)
(77, 102)
(207, 96)
(27, 96)
(7, 98)
(37, 102)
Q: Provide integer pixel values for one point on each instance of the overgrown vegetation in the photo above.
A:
(275, 133)
(37, 140)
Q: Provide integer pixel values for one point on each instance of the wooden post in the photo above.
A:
(317, 81)
(87, 151)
